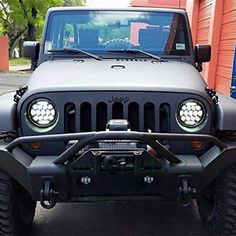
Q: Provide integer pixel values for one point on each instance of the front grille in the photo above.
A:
(84, 111)
(93, 116)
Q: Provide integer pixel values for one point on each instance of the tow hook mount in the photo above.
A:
(48, 195)
(185, 191)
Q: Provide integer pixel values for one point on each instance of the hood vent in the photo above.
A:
(117, 67)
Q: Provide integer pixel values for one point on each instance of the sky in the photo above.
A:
(108, 3)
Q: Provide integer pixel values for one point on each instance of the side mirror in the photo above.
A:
(202, 54)
(31, 51)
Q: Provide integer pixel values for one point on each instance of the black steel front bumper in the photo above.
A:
(59, 178)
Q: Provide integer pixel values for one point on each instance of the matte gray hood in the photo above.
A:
(111, 74)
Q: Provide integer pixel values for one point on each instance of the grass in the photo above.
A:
(19, 62)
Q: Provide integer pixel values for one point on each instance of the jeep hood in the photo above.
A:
(122, 74)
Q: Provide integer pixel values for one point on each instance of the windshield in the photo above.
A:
(102, 31)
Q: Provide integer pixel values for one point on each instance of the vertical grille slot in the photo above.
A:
(133, 116)
(85, 117)
(117, 111)
(149, 116)
(69, 117)
(164, 118)
(101, 116)
(141, 112)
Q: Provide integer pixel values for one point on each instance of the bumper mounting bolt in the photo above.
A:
(86, 180)
(148, 179)
(137, 153)
(194, 190)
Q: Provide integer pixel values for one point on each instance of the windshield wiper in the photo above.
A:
(75, 51)
(135, 51)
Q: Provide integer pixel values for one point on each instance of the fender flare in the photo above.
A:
(7, 112)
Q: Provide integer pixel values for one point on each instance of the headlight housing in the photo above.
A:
(191, 113)
(42, 113)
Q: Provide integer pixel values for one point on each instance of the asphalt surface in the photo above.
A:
(110, 218)
(118, 218)
(11, 81)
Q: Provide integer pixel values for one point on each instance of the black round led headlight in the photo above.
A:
(191, 113)
(42, 113)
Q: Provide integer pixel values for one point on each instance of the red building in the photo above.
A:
(160, 3)
(213, 22)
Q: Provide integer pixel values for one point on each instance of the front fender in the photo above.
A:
(226, 113)
(7, 112)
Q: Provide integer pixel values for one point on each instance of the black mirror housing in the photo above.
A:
(203, 53)
(31, 50)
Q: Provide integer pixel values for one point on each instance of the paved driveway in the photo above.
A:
(110, 218)
(118, 218)
(10, 81)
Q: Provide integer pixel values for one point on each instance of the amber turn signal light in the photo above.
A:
(197, 145)
(36, 146)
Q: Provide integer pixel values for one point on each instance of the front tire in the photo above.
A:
(217, 204)
(17, 209)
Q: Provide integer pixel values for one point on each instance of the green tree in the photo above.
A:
(67, 3)
(26, 17)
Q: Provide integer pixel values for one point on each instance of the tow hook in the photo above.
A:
(48, 195)
(184, 198)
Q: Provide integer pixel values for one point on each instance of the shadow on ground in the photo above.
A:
(118, 218)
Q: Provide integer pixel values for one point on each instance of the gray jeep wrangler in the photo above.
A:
(117, 110)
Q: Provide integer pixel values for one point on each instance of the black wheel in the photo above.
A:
(217, 205)
(17, 208)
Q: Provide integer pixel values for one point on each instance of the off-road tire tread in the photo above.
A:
(6, 226)
(223, 221)
(11, 223)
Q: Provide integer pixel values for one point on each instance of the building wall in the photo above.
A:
(216, 25)
(203, 27)
(212, 22)
(160, 3)
(4, 55)
(226, 47)
(203, 21)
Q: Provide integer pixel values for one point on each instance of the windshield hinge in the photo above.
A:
(19, 93)
(212, 93)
